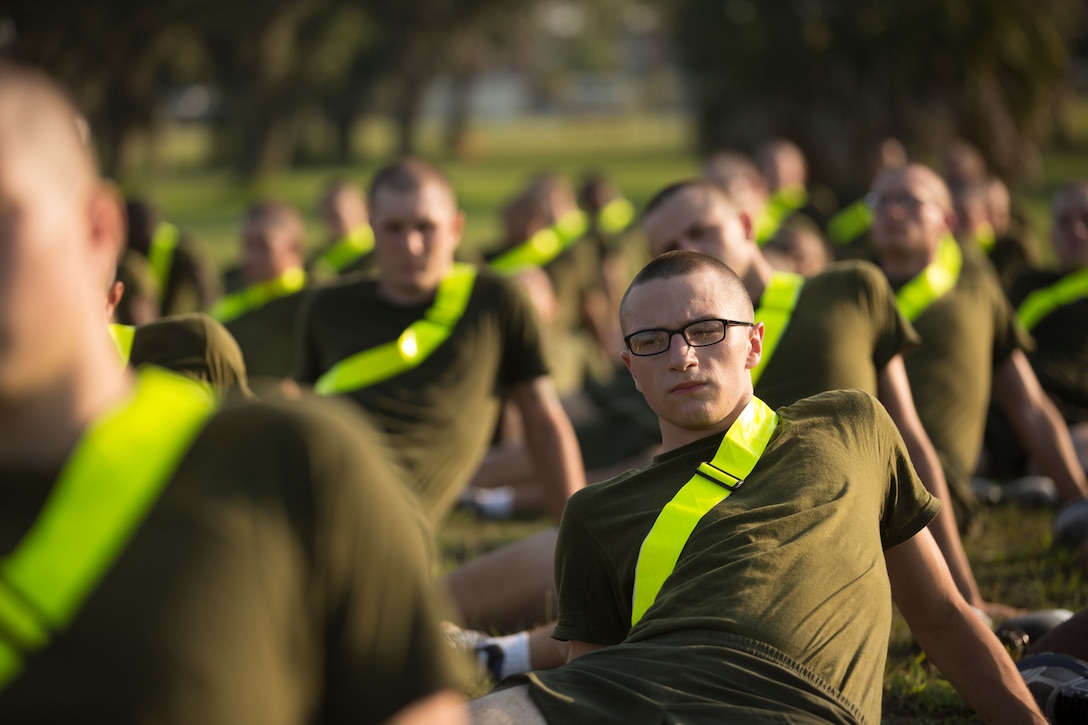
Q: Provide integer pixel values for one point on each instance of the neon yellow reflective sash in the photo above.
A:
(615, 216)
(257, 295)
(933, 282)
(123, 335)
(357, 243)
(775, 310)
(850, 223)
(1042, 302)
(544, 246)
(115, 474)
(160, 254)
(985, 237)
(782, 203)
(712, 483)
(414, 345)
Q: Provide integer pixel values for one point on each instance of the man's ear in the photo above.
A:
(458, 224)
(755, 345)
(626, 357)
(113, 297)
(106, 223)
(747, 225)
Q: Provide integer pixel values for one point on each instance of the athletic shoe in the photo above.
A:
(1071, 523)
(1059, 684)
(489, 656)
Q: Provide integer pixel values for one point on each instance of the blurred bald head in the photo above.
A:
(40, 126)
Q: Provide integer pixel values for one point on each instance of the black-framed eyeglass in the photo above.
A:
(700, 333)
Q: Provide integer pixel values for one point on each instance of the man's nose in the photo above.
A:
(413, 242)
(681, 353)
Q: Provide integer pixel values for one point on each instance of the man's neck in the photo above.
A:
(900, 268)
(41, 429)
(673, 437)
(405, 297)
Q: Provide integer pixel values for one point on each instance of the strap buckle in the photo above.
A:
(718, 475)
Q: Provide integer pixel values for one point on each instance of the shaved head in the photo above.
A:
(60, 237)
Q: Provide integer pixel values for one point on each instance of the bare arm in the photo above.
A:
(577, 649)
(441, 708)
(552, 444)
(955, 639)
(1039, 426)
(894, 392)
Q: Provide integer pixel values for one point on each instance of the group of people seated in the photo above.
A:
(221, 498)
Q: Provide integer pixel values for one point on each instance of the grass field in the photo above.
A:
(1010, 549)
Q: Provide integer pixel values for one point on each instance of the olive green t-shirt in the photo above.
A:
(1060, 357)
(439, 416)
(194, 345)
(843, 331)
(966, 335)
(793, 558)
(281, 577)
(267, 335)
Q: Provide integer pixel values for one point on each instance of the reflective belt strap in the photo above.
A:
(123, 335)
(545, 245)
(781, 204)
(850, 223)
(160, 254)
(616, 216)
(933, 282)
(414, 345)
(712, 483)
(357, 242)
(1042, 302)
(257, 295)
(112, 478)
(775, 310)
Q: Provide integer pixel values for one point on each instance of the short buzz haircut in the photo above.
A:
(1068, 190)
(682, 263)
(270, 213)
(406, 176)
(706, 186)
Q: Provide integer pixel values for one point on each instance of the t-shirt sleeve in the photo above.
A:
(522, 351)
(380, 611)
(893, 334)
(589, 610)
(1009, 334)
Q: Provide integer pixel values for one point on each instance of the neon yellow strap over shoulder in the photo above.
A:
(100, 498)
(986, 237)
(545, 245)
(780, 205)
(257, 295)
(775, 310)
(160, 254)
(712, 483)
(1042, 302)
(123, 335)
(358, 242)
(933, 282)
(615, 216)
(414, 345)
(850, 223)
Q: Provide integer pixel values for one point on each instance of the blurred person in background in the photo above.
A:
(133, 589)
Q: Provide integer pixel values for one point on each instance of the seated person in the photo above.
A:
(758, 585)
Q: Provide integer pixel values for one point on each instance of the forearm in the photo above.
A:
(958, 644)
(556, 458)
(1046, 439)
(944, 529)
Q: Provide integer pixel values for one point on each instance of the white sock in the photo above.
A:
(515, 649)
(494, 503)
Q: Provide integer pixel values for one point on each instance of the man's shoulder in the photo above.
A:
(842, 406)
(847, 278)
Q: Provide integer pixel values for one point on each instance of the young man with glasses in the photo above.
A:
(835, 331)
(747, 573)
(972, 344)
